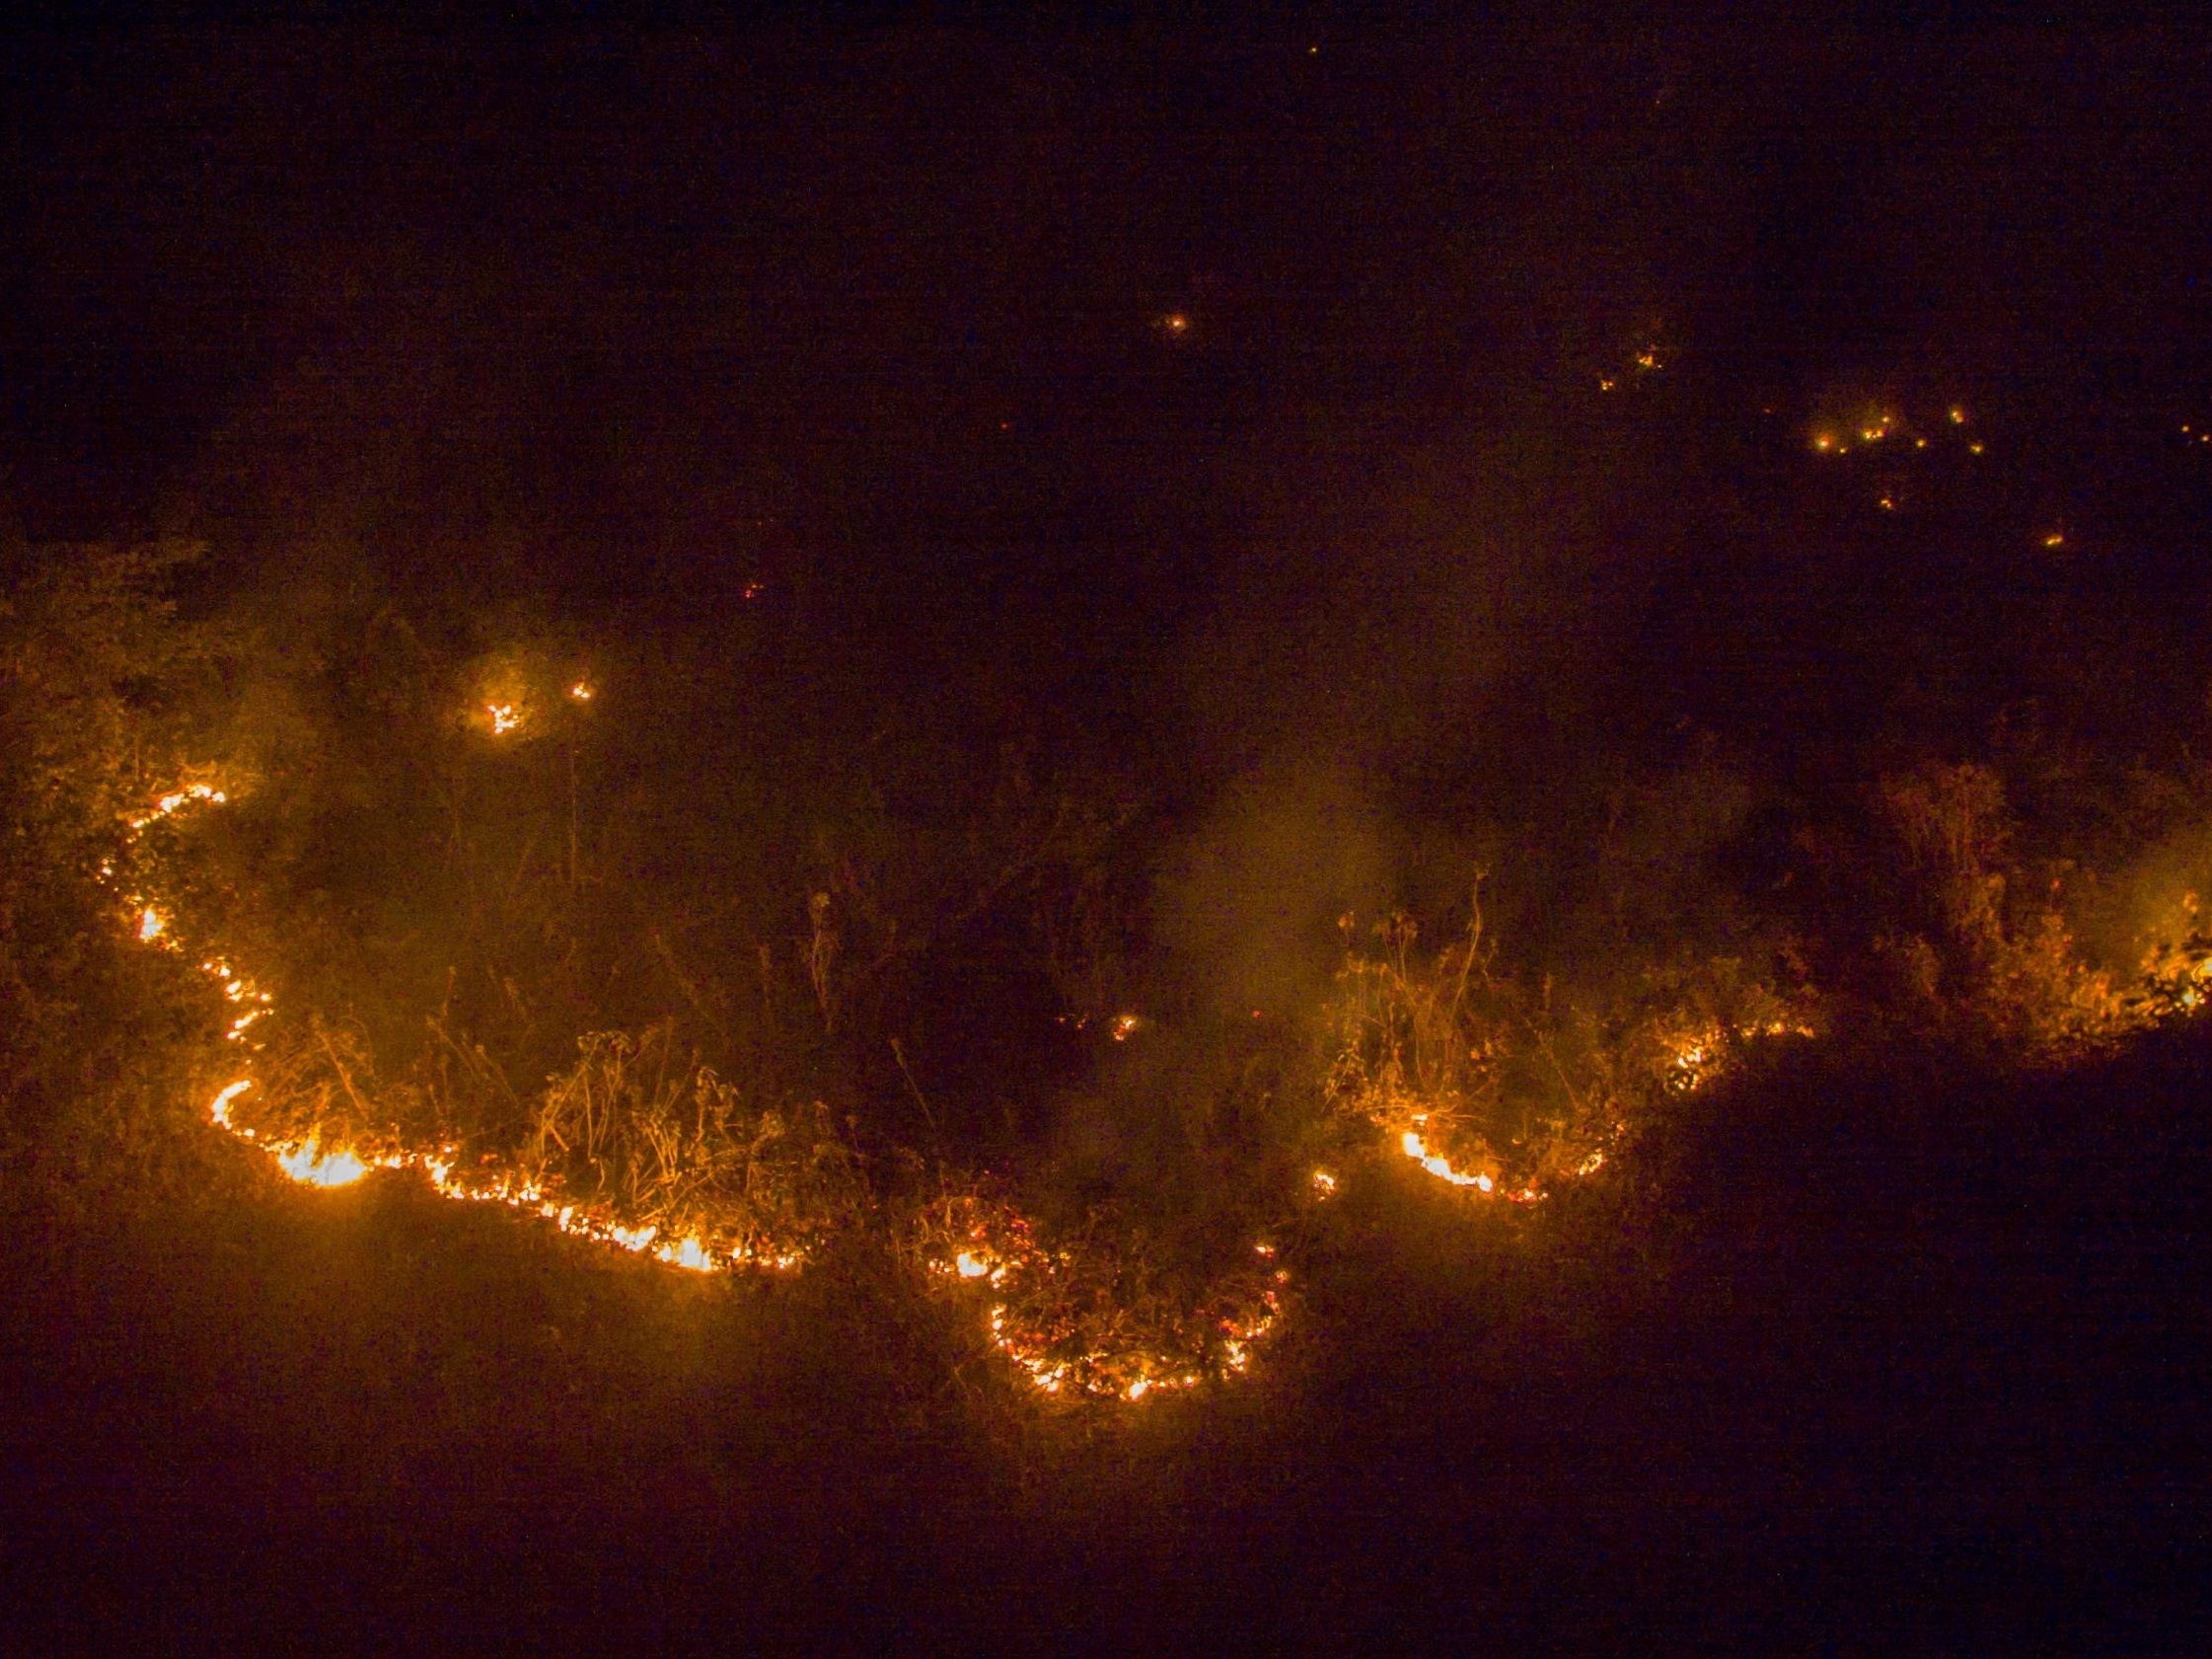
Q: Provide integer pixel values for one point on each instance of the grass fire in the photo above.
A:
(1144, 837)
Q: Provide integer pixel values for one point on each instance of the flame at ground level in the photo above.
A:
(311, 1166)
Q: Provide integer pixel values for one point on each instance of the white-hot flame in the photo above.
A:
(311, 1166)
(219, 1113)
(1417, 1149)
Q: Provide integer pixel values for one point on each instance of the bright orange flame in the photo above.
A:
(315, 1164)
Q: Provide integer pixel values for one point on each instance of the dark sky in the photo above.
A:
(924, 216)
(640, 319)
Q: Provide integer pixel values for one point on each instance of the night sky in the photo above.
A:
(1114, 344)
(851, 235)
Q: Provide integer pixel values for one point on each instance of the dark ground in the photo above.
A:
(1895, 1360)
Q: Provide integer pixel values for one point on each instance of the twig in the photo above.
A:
(323, 1037)
(900, 1054)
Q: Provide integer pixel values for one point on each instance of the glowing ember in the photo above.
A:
(178, 799)
(150, 925)
(580, 692)
(1125, 1026)
(1324, 1184)
(1045, 1320)
(505, 719)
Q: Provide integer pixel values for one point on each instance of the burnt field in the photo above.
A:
(906, 838)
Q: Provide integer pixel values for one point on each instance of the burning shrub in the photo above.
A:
(1982, 959)
(1495, 1086)
(1449, 1052)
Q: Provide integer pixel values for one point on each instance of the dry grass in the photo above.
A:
(1519, 1083)
(664, 1142)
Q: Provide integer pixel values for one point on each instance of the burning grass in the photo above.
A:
(1503, 1091)
(751, 1131)
(1098, 1314)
